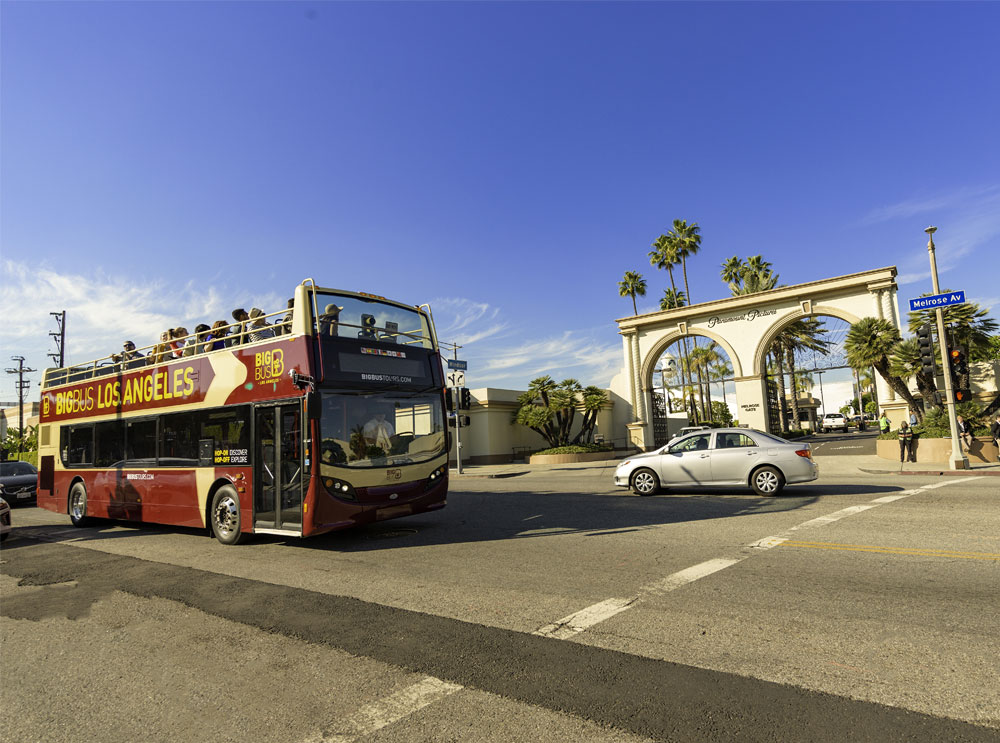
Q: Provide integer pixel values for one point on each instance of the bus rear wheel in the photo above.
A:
(78, 505)
(225, 515)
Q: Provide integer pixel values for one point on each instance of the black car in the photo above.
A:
(18, 482)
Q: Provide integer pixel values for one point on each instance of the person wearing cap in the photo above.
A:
(329, 320)
(259, 329)
(130, 356)
(236, 335)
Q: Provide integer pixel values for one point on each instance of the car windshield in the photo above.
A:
(381, 429)
(10, 469)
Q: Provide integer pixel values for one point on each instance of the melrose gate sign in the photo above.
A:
(744, 326)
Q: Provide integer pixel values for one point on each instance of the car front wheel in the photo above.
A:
(767, 481)
(645, 482)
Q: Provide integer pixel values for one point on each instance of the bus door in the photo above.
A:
(278, 476)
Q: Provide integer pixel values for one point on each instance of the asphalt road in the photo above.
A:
(542, 606)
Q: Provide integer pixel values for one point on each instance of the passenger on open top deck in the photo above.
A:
(259, 329)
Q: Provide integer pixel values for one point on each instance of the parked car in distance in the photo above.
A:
(834, 420)
(4, 519)
(688, 429)
(718, 457)
(18, 482)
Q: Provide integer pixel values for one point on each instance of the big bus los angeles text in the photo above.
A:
(337, 421)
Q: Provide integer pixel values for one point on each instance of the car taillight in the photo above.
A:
(805, 453)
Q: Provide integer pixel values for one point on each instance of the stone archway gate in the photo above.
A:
(745, 326)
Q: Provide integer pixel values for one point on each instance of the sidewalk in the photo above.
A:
(847, 464)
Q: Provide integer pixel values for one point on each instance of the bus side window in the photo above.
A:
(77, 444)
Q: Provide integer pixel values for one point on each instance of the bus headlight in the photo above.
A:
(437, 475)
(340, 488)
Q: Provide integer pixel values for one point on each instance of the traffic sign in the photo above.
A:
(457, 364)
(937, 300)
(455, 378)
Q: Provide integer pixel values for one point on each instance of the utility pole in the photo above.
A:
(22, 385)
(60, 338)
(958, 459)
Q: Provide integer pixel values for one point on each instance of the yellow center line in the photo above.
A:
(892, 550)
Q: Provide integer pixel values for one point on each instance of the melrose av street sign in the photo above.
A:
(937, 300)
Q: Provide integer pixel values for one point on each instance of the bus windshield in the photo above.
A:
(348, 316)
(383, 429)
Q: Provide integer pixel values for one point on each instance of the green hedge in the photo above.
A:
(575, 449)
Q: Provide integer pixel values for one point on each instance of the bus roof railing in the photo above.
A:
(237, 334)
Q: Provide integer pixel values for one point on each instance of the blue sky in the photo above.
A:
(163, 163)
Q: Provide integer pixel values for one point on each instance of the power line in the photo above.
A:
(22, 385)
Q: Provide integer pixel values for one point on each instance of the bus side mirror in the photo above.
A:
(314, 405)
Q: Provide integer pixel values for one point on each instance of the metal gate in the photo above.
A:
(660, 432)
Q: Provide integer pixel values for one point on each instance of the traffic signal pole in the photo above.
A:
(958, 459)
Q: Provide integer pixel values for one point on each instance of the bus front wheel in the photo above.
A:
(78, 505)
(225, 515)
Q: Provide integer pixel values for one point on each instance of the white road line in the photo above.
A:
(953, 482)
(577, 622)
(378, 715)
(689, 575)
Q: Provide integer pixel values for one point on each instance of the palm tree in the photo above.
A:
(870, 342)
(594, 398)
(630, 285)
(672, 299)
(801, 335)
(664, 255)
(748, 277)
(906, 363)
(687, 239)
(702, 359)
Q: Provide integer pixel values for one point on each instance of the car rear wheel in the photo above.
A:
(645, 482)
(78, 505)
(767, 481)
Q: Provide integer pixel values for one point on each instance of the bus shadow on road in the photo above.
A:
(490, 516)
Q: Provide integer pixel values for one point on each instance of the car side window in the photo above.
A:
(693, 443)
(734, 441)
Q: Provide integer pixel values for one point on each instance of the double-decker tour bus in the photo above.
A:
(330, 416)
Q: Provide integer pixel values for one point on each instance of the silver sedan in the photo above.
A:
(723, 456)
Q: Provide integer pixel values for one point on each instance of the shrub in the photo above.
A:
(575, 449)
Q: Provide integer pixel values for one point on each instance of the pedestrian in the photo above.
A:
(884, 424)
(913, 417)
(905, 443)
(995, 433)
(964, 432)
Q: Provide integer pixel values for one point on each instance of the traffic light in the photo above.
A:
(926, 345)
(465, 399)
(959, 358)
(367, 327)
(454, 420)
(959, 362)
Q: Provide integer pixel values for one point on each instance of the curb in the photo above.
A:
(937, 473)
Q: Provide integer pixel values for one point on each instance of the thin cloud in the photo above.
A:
(102, 311)
(913, 207)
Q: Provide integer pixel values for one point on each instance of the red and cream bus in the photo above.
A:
(337, 420)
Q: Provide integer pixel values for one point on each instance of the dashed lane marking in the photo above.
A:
(385, 712)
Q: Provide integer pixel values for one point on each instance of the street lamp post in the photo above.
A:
(958, 460)
(822, 400)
